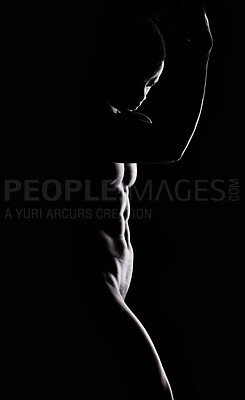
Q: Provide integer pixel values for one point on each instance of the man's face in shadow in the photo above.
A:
(128, 79)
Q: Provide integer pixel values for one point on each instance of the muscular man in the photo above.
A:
(129, 60)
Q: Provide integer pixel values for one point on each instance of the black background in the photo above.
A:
(188, 256)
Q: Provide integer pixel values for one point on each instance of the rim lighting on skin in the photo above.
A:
(148, 84)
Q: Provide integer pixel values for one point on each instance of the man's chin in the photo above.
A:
(131, 108)
(127, 108)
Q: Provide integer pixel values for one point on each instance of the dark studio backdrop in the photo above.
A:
(186, 218)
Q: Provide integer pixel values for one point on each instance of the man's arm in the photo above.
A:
(189, 52)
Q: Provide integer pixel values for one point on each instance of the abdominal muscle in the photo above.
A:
(122, 178)
(114, 231)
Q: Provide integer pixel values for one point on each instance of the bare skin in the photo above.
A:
(125, 176)
(109, 269)
(117, 279)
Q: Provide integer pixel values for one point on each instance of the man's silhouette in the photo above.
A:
(128, 61)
